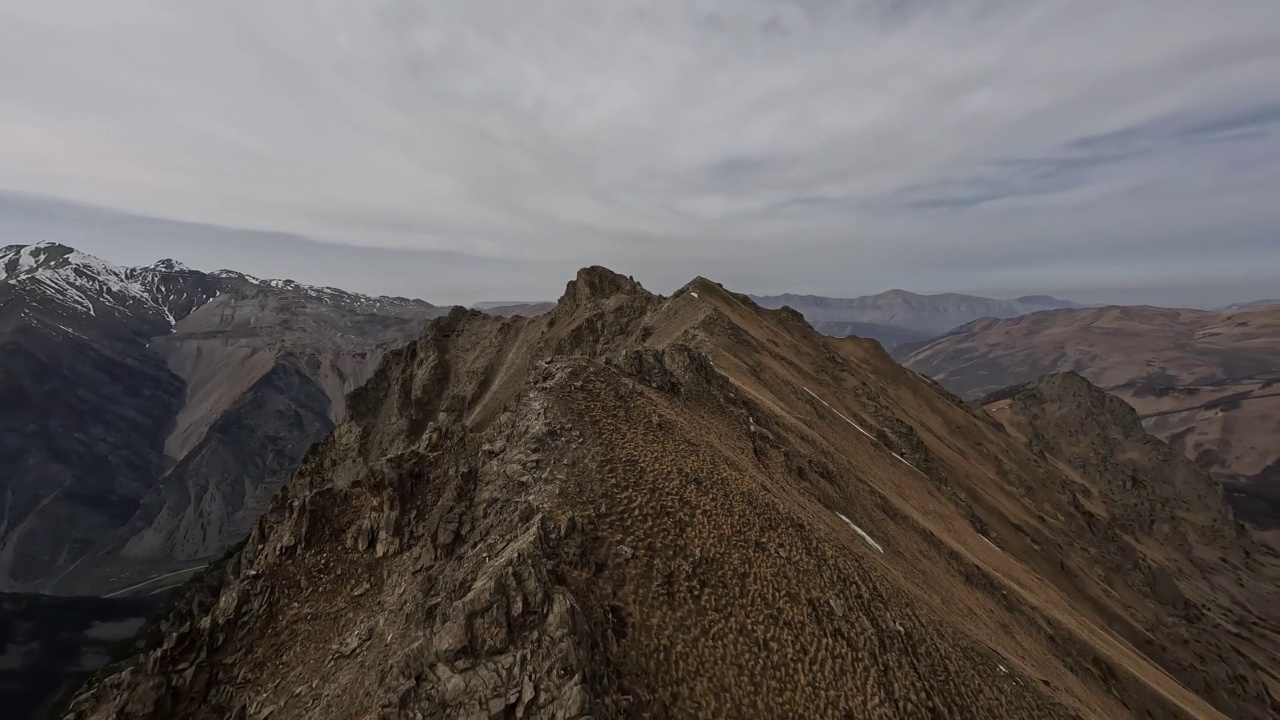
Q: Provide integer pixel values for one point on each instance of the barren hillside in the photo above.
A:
(639, 506)
(1206, 382)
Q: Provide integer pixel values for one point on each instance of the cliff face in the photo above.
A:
(637, 506)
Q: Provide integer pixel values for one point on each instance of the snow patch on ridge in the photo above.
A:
(861, 533)
(856, 425)
(864, 432)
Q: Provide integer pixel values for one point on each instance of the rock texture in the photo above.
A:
(1206, 382)
(147, 414)
(639, 506)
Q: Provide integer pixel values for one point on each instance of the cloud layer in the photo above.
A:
(838, 147)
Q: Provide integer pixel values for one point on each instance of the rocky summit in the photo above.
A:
(689, 506)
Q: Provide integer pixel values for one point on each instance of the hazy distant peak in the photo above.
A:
(1253, 304)
(897, 308)
(490, 304)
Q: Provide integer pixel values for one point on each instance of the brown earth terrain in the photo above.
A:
(1206, 382)
(641, 506)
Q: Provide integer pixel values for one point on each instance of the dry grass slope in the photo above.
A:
(1206, 382)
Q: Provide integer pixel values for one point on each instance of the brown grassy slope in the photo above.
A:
(1083, 542)
(1207, 382)
(1183, 557)
(631, 507)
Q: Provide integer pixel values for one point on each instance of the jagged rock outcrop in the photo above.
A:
(638, 506)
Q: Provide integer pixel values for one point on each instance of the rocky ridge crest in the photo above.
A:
(663, 507)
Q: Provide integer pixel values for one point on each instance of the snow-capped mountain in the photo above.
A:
(60, 284)
(67, 282)
(378, 304)
(146, 412)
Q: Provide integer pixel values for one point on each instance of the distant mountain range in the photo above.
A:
(511, 309)
(897, 317)
(1252, 304)
(148, 413)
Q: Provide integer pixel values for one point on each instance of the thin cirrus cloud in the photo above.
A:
(812, 145)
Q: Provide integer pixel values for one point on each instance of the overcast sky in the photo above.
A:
(1105, 150)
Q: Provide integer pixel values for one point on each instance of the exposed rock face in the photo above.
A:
(1208, 383)
(147, 414)
(638, 506)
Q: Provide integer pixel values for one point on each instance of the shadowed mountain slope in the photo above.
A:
(147, 414)
(524, 309)
(49, 644)
(640, 506)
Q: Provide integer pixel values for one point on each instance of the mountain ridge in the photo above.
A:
(898, 316)
(638, 505)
